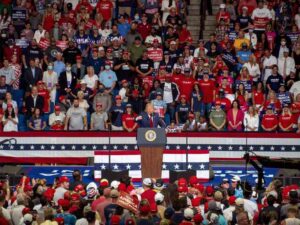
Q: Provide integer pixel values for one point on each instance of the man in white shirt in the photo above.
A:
(4, 211)
(64, 183)
(16, 212)
(286, 64)
(268, 62)
(153, 35)
(39, 33)
(7, 71)
(170, 95)
(295, 89)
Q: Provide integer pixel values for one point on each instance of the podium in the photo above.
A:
(151, 142)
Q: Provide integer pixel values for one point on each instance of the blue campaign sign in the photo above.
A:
(221, 172)
(250, 175)
(51, 172)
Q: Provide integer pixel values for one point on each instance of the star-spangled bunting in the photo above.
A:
(129, 147)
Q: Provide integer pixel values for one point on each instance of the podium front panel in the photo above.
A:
(151, 137)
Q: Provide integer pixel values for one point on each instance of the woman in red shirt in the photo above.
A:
(128, 119)
(286, 120)
(258, 96)
(269, 121)
(235, 117)
(48, 19)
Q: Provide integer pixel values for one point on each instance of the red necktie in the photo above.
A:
(151, 121)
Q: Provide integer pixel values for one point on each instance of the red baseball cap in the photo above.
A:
(78, 57)
(118, 97)
(182, 189)
(209, 190)
(183, 96)
(193, 179)
(182, 182)
(124, 81)
(63, 202)
(57, 108)
(64, 179)
(62, 97)
(231, 200)
(40, 82)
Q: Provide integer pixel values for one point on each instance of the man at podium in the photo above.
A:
(149, 118)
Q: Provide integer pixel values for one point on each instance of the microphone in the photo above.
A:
(8, 140)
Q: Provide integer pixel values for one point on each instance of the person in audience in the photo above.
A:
(76, 117)
(10, 119)
(129, 119)
(37, 122)
(235, 117)
(57, 119)
(217, 118)
(99, 118)
(269, 121)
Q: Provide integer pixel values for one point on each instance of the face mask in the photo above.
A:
(68, 68)
(107, 67)
(3, 35)
(50, 67)
(283, 43)
(101, 90)
(136, 17)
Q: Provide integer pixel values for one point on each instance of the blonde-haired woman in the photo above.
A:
(253, 68)
(251, 120)
(82, 102)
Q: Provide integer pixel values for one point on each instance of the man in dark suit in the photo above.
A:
(34, 101)
(67, 80)
(149, 118)
(32, 75)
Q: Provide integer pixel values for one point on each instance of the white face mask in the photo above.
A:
(3, 35)
(68, 68)
(107, 67)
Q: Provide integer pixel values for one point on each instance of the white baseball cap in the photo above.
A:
(147, 182)
(222, 6)
(159, 197)
(188, 213)
(115, 184)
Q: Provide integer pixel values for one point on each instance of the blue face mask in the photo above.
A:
(101, 90)
(107, 67)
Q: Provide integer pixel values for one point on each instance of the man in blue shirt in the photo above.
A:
(95, 61)
(123, 26)
(58, 65)
(243, 55)
(108, 78)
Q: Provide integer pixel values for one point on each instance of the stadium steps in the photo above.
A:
(193, 19)
(210, 21)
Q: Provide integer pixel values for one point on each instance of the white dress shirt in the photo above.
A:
(254, 70)
(290, 65)
(269, 62)
(251, 121)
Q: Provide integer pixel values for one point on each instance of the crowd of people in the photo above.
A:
(119, 202)
(95, 65)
